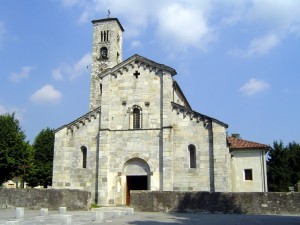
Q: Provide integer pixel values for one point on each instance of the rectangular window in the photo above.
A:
(248, 174)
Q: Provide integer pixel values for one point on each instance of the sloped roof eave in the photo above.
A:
(177, 88)
(96, 110)
(199, 114)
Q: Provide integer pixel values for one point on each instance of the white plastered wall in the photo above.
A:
(248, 159)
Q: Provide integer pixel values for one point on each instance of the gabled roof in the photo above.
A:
(141, 62)
(240, 144)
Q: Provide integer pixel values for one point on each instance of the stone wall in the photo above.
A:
(216, 202)
(45, 198)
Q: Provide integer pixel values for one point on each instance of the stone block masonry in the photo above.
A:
(216, 202)
(45, 198)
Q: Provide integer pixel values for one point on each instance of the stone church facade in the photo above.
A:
(141, 134)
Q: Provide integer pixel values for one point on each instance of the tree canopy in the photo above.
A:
(43, 149)
(283, 166)
(14, 150)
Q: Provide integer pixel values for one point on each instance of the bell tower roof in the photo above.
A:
(108, 19)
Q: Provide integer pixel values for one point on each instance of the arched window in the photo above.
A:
(192, 151)
(103, 53)
(136, 118)
(84, 153)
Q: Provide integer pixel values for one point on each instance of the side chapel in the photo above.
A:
(141, 133)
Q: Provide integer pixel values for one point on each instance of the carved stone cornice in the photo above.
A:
(193, 115)
(139, 62)
(81, 121)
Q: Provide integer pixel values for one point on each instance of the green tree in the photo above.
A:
(283, 166)
(294, 162)
(14, 150)
(43, 149)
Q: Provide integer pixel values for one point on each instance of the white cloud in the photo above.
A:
(262, 45)
(136, 44)
(47, 94)
(179, 24)
(277, 19)
(2, 32)
(24, 74)
(258, 46)
(193, 23)
(73, 71)
(254, 86)
(272, 15)
(279, 15)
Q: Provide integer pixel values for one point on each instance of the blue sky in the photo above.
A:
(236, 61)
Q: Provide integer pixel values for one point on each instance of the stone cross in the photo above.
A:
(136, 74)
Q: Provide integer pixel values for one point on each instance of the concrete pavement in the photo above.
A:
(31, 217)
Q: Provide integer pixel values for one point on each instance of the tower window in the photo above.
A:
(104, 35)
(84, 153)
(104, 53)
(192, 151)
(136, 118)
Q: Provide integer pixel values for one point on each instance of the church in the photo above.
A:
(141, 133)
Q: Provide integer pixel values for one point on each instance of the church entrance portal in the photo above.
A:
(135, 183)
(137, 173)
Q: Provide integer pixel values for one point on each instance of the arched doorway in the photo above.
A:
(137, 173)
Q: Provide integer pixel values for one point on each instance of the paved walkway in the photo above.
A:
(31, 217)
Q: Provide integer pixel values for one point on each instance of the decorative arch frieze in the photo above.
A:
(191, 114)
(82, 121)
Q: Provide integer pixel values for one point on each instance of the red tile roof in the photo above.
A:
(240, 144)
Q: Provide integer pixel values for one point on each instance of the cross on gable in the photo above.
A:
(136, 74)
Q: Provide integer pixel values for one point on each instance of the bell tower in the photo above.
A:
(107, 53)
